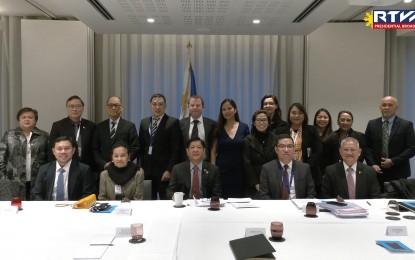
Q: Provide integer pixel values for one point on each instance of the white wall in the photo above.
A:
(346, 71)
(54, 67)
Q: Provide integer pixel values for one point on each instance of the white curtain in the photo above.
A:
(10, 72)
(243, 68)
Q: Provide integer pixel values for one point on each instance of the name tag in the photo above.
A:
(150, 150)
(118, 189)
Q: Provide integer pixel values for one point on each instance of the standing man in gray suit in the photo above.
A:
(160, 141)
(195, 177)
(196, 125)
(285, 178)
(390, 142)
(350, 179)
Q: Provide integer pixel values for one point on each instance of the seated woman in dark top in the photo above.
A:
(122, 178)
(270, 104)
(345, 122)
(322, 122)
(258, 149)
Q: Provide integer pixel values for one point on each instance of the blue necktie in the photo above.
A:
(60, 186)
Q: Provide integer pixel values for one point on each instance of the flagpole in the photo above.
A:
(189, 46)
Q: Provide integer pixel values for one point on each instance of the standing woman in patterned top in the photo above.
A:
(22, 151)
(227, 150)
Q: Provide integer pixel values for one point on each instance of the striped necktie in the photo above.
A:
(385, 138)
(153, 129)
(112, 132)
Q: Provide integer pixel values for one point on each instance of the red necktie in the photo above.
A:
(284, 191)
(350, 184)
(195, 184)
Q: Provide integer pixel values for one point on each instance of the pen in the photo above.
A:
(368, 203)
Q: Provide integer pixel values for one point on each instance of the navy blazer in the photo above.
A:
(208, 124)
(401, 147)
(102, 142)
(181, 181)
(271, 178)
(335, 182)
(65, 127)
(79, 181)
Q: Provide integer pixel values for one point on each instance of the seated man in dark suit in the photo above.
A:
(65, 178)
(340, 179)
(285, 178)
(195, 177)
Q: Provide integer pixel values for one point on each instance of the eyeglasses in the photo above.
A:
(77, 107)
(283, 147)
(116, 106)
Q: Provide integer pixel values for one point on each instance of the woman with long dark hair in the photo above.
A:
(270, 104)
(258, 149)
(323, 124)
(227, 149)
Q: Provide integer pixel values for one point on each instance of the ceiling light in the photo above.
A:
(407, 1)
(150, 20)
(256, 21)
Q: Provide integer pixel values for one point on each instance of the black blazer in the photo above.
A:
(79, 181)
(181, 181)
(271, 177)
(167, 146)
(255, 154)
(209, 126)
(102, 142)
(335, 145)
(65, 127)
(335, 182)
(401, 147)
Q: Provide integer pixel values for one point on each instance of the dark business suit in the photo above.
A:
(80, 182)
(255, 154)
(65, 127)
(208, 124)
(181, 181)
(102, 142)
(335, 182)
(166, 151)
(335, 145)
(271, 179)
(401, 148)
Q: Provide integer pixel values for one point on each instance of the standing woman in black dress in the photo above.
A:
(322, 122)
(270, 104)
(258, 149)
(227, 150)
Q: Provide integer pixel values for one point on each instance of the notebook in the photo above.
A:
(252, 247)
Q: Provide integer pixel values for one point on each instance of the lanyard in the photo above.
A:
(77, 133)
(285, 181)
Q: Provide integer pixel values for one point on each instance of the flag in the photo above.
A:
(189, 88)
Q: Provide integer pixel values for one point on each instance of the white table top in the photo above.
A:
(43, 231)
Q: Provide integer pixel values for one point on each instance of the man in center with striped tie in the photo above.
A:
(285, 178)
(160, 140)
(110, 131)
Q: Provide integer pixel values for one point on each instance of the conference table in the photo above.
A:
(43, 231)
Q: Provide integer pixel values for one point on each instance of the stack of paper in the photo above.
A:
(345, 210)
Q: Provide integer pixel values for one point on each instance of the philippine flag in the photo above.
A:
(189, 88)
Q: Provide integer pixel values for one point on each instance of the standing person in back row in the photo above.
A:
(161, 143)
(79, 129)
(391, 143)
(196, 125)
(110, 131)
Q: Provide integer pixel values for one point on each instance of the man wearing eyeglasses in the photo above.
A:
(76, 127)
(110, 131)
(350, 179)
(285, 178)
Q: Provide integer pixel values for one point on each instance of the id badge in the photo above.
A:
(118, 189)
(150, 150)
(80, 152)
